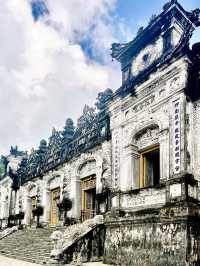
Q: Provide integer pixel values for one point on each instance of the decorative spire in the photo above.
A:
(68, 130)
(43, 147)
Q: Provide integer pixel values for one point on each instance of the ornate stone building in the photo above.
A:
(136, 160)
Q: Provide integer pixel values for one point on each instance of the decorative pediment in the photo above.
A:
(33, 163)
(53, 152)
(88, 168)
(147, 137)
(54, 141)
(87, 121)
(93, 127)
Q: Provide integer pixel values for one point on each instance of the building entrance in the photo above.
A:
(88, 186)
(55, 197)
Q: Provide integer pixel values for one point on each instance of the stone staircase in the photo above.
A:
(79, 243)
(32, 245)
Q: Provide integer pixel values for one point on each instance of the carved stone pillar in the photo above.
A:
(47, 205)
(13, 202)
(28, 207)
(129, 173)
(8, 204)
(5, 208)
(16, 204)
(98, 179)
(164, 154)
(76, 197)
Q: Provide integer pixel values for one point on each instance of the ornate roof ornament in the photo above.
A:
(68, 131)
(194, 16)
(168, 4)
(87, 121)
(92, 129)
(103, 98)
(166, 37)
(42, 147)
(53, 151)
(116, 49)
(152, 18)
(140, 30)
(15, 152)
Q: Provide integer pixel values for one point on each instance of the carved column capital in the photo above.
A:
(163, 134)
(131, 150)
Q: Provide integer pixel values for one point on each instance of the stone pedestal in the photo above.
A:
(182, 187)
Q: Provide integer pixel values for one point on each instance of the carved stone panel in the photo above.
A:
(87, 169)
(147, 137)
(175, 191)
(116, 159)
(143, 200)
(177, 136)
(147, 56)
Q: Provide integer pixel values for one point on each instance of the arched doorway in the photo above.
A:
(53, 188)
(55, 198)
(88, 189)
(88, 180)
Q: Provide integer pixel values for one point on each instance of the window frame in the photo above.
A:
(142, 164)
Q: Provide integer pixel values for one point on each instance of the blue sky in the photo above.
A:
(137, 13)
(52, 65)
(133, 14)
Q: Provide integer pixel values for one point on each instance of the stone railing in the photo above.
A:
(8, 231)
(78, 243)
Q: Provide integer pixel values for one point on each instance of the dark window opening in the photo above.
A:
(150, 168)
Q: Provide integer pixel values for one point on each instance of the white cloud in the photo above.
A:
(45, 76)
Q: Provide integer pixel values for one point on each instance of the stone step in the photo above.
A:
(32, 245)
(27, 249)
(28, 246)
(28, 259)
(22, 256)
(36, 252)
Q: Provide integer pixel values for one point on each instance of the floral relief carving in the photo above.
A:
(144, 104)
(147, 137)
(174, 84)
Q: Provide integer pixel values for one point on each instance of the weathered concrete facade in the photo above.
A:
(157, 222)
(67, 177)
(136, 161)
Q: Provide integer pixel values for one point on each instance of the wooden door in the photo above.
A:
(55, 196)
(88, 197)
